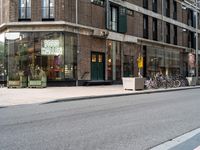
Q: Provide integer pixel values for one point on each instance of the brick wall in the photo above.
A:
(180, 36)
(136, 2)
(70, 10)
(93, 15)
(184, 15)
(179, 12)
(5, 11)
(88, 44)
(159, 28)
(159, 6)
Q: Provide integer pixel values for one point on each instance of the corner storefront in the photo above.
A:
(52, 52)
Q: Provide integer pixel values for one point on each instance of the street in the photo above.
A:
(136, 122)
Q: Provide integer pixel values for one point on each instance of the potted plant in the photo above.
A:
(17, 80)
(37, 78)
(135, 83)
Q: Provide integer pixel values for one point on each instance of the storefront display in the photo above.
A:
(166, 61)
(47, 51)
(114, 60)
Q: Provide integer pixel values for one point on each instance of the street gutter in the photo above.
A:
(120, 95)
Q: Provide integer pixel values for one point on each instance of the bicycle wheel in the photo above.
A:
(177, 83)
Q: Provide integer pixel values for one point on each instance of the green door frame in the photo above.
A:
(100, 70)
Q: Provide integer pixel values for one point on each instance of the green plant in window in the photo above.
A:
(16, 76)
(37, 73)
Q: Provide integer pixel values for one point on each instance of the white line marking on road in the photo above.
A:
(170, 144)
(198, 148)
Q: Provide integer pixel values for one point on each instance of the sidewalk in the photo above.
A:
(10, 97)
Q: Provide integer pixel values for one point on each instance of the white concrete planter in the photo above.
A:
(198, 81)
(40, 83)
(192, 81)
(21, 83)
(130, 83)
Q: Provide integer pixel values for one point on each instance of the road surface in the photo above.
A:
(137, 122)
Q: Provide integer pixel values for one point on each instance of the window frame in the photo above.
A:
(46, 11)
(168, 33)
(175, 34)
(145, 4)
(155, 6)
(112, 18)
(175, 10)
(145, 27)
(154, 29)
(26, 9)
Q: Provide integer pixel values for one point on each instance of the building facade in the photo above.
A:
(75, 41)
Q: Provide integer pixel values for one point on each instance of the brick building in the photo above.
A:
(74, 41)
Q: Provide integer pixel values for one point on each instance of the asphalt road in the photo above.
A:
(136, 122)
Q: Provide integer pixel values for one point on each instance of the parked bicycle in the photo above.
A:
(160, 81)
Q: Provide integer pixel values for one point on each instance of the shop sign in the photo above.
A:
(51, 47)
(140, 61)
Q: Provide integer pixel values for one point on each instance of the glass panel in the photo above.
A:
(25, 9)
(51, 3)
(114, 18)
(22, 3)
(51, 8)
(163, 60)
(128, 67)
(100, 58)
(28, 3)
(48, 9)
(17, 55)
(29, 53)
(109, 60)
(94, 58)
(2, 59)
(70, 55)
(114, 60)
(52, 54)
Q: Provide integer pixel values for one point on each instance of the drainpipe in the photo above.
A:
(1, 21)
(76, 11)
(197, 51)
(163, 35)
(78, 52)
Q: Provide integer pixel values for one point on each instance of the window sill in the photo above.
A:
(48, 19)
(24, 19)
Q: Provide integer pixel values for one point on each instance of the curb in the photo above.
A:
(116, 95)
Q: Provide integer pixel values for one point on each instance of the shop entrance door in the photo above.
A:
(97, 66)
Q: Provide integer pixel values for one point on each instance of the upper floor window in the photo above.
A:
(175, 35)
(191, 18)
(114, 18)
(117, 18)
(167, 8)
(48, 10)
(154, 5)
(145, 4)
(167, 33)
(145, 26)
(98, 2)
(24, 9)
(155, 31)
(175, 9)
(191, 40)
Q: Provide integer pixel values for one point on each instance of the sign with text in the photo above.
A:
(51, 47)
